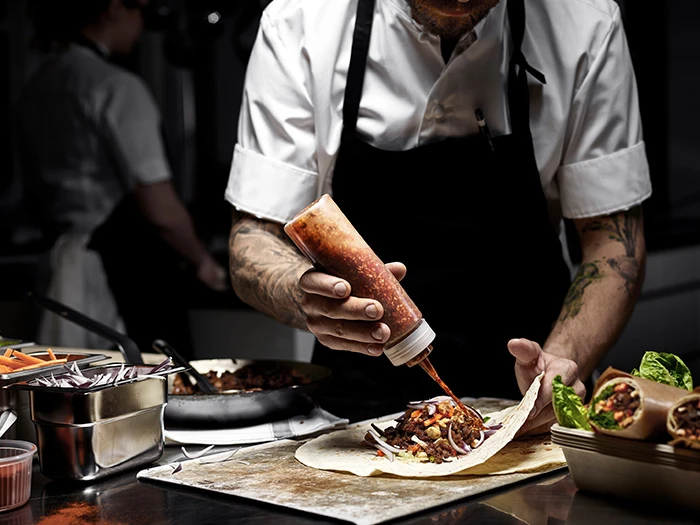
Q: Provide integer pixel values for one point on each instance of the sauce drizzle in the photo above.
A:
(426, 365)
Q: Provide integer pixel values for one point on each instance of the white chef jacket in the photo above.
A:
(585, 120)
(88, 131)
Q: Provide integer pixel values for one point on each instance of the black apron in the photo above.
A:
(472, 226)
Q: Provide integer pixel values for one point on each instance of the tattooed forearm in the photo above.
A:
(586, 275)
(624, 228)
(613, 250)
(265, 268)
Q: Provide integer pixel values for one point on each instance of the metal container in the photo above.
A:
(85, 435)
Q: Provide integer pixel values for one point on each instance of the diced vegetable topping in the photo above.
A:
(615, 407)
(435, 430)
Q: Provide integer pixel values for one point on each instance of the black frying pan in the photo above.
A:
(246, 408)
(216, 410)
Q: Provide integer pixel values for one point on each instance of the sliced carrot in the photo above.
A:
(415, 414)
(5, 369)
(28, 359)
(51, 354)
(9, 361)
(379, 453)
(39, 365)
(8, 352)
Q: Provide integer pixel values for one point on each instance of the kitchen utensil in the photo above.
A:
(7, 419)
(246, 408)
(217, 410)
(126, 346)
(83, 435)
(202, 382)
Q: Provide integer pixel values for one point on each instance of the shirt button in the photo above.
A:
(438, 111)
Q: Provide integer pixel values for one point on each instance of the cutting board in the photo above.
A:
(269, 473)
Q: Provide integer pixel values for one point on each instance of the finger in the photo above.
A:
(530, 430)
(398, 269)
(539, 424)
(355, 331)
(338, 343)
(352, 308)
(319, 283)
(525, 351)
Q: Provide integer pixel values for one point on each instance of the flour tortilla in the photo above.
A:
(343, 450)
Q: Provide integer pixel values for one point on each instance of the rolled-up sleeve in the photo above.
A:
(605, 167)
(274, 170)
(268, 188)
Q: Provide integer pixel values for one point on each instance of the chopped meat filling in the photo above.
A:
(435, 432)
(622, 403)
(687, 418)
(249, 378)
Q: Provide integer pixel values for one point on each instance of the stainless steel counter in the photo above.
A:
(549, 499)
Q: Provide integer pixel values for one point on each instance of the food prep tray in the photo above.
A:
(79, 359)
(88, 434)
(635, 470)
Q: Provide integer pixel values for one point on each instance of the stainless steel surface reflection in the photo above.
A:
(87, 435)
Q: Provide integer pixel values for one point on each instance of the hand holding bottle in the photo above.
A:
(340, 320)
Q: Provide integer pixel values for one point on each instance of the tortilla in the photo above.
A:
(655, 401)
(343, 450)
(673, 426)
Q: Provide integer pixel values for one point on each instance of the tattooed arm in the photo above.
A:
(265, 268)
(595, 311)
(272, 276)
(604, 291)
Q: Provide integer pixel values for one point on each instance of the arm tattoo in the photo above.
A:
(586, 275)
(623, 228)
(265, 268)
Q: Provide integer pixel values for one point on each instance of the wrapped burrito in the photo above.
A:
(683, 421)
(631, 407)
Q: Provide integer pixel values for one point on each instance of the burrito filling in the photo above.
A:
(433, 431)
(615, 407)
(687, 419)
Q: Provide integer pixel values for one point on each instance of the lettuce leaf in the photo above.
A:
(664, 368)
(568, 406)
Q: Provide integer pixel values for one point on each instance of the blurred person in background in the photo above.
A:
(98, 179)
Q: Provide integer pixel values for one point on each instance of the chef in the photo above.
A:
(90, 141)
(455, 136)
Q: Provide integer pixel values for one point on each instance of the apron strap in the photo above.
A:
(518, 91)
(358, 61)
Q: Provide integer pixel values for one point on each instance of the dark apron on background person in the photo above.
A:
(471, 224)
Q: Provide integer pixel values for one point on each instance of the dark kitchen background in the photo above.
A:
(195, 70)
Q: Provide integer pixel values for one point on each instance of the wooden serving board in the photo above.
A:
(270, 473)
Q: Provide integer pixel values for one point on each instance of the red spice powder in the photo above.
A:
(76, 514)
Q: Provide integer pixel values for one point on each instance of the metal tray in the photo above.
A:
(81, 360)
(84, 435)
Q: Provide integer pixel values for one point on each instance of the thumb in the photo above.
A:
(524, 351)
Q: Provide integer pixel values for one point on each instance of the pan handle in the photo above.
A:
(126, 346)
(202, 382)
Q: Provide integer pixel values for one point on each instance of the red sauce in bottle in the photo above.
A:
(325, 235)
